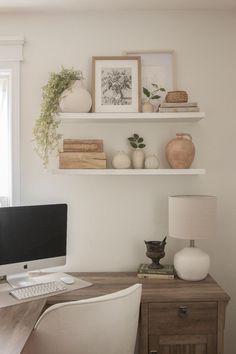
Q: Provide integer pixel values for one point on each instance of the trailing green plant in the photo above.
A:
(152, 95)
(136, 141)
(45, 133)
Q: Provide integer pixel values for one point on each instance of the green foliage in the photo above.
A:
(136, 141)
(152, 95)
(146, 92)
(45, 132)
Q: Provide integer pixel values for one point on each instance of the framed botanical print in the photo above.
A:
(116, 84)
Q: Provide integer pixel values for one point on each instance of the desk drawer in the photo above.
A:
(188, 318)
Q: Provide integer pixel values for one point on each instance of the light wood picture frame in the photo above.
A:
(116, 84)
(157, 67)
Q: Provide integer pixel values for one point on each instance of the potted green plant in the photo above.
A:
(45, 132)
(138, 156)
(151, 95)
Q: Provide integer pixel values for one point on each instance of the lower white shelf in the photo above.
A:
(131, 172)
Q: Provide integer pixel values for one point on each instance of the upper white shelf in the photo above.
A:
(131, 172)
(130, 117)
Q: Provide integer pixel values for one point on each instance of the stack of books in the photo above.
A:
(82, 154)
(167, 272)
(179, 107)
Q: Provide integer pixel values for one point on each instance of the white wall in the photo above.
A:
(109, 217)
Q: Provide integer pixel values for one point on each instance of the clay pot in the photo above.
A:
(148, 107)
(180, 151)
(121, 160)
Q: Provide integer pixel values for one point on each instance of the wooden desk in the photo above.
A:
(166, 325)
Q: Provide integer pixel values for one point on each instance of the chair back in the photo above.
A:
(101, 325)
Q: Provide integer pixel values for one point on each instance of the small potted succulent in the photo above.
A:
(45, 132)
(138, 156)
(151, 95)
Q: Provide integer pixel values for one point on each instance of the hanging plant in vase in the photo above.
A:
(138, 156)
(45, 132)
(148, 107)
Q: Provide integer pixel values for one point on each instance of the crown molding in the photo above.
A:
(11, 48)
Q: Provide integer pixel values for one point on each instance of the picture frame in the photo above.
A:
(157, 67)
(116, 84)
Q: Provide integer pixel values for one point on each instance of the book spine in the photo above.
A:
(176, 105)
(82, 148)
(77, 145)
(155, 276)
(182, 109)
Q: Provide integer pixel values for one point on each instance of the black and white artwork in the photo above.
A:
(116, 86)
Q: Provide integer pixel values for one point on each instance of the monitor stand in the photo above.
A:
(21, 280)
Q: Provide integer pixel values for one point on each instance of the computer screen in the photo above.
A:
(34, 234)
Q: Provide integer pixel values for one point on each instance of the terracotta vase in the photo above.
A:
(180, 151)
(148, 107)
(76, 99)
(137, 158)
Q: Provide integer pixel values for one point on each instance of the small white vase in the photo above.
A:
(151, 162)
(121, 160)
(76, 99)
(137, 158)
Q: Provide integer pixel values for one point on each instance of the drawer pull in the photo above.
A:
(153, 352)
(183, 311)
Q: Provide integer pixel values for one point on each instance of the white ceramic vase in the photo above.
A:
(121, 160)
(137, 158)
(151, 162)
(76, 99)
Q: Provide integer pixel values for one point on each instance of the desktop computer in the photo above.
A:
(31, 237)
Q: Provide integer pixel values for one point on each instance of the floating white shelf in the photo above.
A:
(130, 117)
(131, 172)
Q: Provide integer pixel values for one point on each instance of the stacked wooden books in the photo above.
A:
(82, 154)
(179, 107)
(167, 272)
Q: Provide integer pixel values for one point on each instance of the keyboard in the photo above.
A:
(37, 290)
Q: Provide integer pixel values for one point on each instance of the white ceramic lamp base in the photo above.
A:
(191, 264)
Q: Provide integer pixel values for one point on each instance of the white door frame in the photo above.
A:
(11, 54)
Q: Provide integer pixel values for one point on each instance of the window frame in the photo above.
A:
(11, 54)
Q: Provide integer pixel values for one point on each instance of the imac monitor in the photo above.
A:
(31, 237)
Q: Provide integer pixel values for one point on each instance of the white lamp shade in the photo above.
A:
(192, 217)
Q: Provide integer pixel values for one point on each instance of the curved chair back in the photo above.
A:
(102, 325)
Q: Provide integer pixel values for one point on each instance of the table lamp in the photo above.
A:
(192, 217)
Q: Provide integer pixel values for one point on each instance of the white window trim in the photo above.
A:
(11, 54)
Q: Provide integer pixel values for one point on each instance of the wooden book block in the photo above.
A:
(86, 145)
(82, 160)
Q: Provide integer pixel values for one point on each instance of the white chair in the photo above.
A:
(101, 325)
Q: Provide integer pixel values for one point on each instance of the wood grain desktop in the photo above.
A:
(176, 316)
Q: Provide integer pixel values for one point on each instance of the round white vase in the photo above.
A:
(121, 160)
(151, 162)
(191, 264)
(76, 99)
(137, 158)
